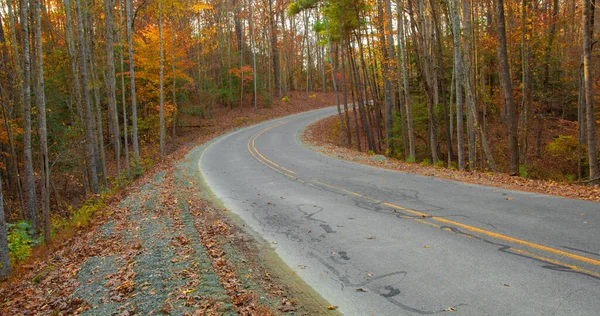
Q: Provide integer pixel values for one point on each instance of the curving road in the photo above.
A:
(414, 244)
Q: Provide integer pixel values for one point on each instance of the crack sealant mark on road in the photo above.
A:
(386, 290)
(555, 265)
(443, 221)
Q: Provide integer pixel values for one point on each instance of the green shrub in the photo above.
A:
(563, 146)
(20, 241)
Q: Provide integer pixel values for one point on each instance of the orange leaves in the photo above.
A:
(245, 72)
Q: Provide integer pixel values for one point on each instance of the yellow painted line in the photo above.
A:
(500, 236)
(258, 156)
(476, 229)
(252, 140)
(556, 262)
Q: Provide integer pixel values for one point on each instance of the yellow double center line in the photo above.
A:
(434, 220)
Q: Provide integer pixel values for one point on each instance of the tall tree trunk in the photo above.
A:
(587, 24)
(29, 182)
(134, 129)
(253, 43)
(513, 145)
(409, 120)
(89, 117)
(109, 78)
(387, 86)
(174, 96)
(163, 132)
(90, 47)
(4, 252)
(275, 49)
(41, 109)
(345, 89)
(459, 82)
(123, 91)
(335, 87)
(525, 100)
(442, 78)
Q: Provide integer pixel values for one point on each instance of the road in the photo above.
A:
(414, 244)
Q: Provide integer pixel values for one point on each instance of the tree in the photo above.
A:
(589, 93)
(513, 136)
(4, 253)
(110, 83)
(134, 120)
(29, 185)
(90, 125)
(402, 51)
(41, 110)
(163, 132)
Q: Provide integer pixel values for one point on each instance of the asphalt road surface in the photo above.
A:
(380, 242)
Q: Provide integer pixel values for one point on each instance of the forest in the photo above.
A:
(93, 93)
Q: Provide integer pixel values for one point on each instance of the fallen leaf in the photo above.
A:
(426, 247)
(287, 308)
(332, 307)
(450, 309)
(360, 289)
(505, 284)
(302, 266)
(186, 292)
(369, 275)
(371, 237)
(510, 199)
(275, 242)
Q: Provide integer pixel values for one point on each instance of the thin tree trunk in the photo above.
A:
(345, 89)
(335, 88)
(163, 136)
(123, 91)
(525, 100)
(275, 50)
(29, 183)
(4, 252)
(409, 119)
(95, 84)
(513, 145)
(594, 173)
(459, 81)
(111, 84)
(134, 130)
(174, 96)
(253, 43)
(41, 109)
(89, 118)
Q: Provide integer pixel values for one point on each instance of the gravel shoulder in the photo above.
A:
(162, 246)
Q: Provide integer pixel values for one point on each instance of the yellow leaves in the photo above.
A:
(332, 307)
(201, 7)
(188, 291)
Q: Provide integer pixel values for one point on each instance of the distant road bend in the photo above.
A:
(380, 242)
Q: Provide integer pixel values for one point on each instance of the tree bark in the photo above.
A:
(4, 252)
(409, 119)
(594, 173)
(123, 91)
(109, 78)
(163, 132)
(42, 129)
(134, 130)
(513, 145)
(89, 117)
(459, 81)
(29, 183)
